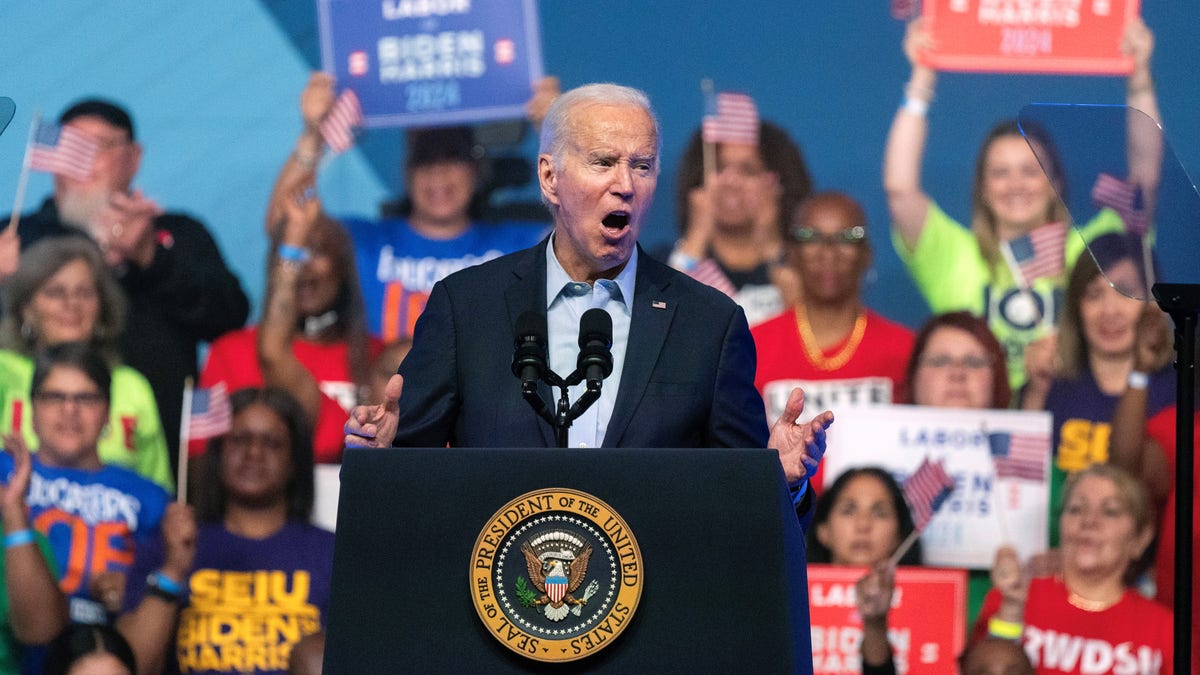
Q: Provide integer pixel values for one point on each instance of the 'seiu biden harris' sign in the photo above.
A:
(433, 62)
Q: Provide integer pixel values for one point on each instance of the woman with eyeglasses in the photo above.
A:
(63, 292)
(105, 524)
(828, 342)
(956, 362)
(976, 268)
(259, 560)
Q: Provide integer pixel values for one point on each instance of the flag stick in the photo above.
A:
(182, 471)
(23, 181)
(709, 149)
(904, 546)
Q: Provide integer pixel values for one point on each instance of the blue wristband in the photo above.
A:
(18, 538)
(294, 254)
(165, 583)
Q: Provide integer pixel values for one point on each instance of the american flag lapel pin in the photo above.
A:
(658, 304)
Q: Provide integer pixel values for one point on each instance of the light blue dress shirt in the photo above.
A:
(566, 301)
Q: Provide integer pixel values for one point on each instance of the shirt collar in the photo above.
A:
(557, 277)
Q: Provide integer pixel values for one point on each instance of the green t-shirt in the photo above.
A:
(951, 273)
(134, 438)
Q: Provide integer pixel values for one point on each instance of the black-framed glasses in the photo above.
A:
(83, 399)
(850, 236)
(968, 362)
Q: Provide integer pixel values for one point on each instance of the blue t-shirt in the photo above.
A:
(95, 521)
(398, 267)
(250, 600)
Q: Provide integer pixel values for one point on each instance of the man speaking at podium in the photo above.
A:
(682, 357)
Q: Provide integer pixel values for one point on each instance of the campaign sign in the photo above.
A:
(433, 62)
(999, 460)
(1029, 36)
(926, 625)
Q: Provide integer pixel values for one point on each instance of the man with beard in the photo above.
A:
(180, 292)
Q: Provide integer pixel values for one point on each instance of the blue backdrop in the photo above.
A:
(213, 87)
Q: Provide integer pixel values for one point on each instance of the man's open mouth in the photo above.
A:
(616, 219)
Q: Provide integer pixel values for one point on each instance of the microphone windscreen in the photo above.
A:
(595, 324)
(531, 326)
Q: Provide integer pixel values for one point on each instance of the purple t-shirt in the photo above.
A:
(250, 600)
(1082, 426)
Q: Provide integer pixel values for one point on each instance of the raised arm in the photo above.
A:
(300, 167)
(1128, 446)
(1145, 142)
(902, 157)
(280, 367)
(150, 626)
(37, 609)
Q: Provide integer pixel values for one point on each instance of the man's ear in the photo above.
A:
(548, 178)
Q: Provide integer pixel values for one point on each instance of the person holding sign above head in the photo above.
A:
(400, 258)
(1009, 267)
(840, 352)
(861, 520)
(1087, 619)
(682, 355)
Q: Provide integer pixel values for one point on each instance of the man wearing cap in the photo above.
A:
(400, 258)
(179, 289)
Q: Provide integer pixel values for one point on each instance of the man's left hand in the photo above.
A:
(800, 446)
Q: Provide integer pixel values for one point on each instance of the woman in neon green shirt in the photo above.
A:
(62, 292)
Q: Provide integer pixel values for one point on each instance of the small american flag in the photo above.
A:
(209, 414)
(62, 150)
(925, 490)
(734, 120)
(1040, 253)
(708, 272)
(1019, 455)
(1123, 197)
(338, 126)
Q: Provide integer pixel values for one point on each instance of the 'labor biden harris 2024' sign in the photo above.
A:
(433, 62)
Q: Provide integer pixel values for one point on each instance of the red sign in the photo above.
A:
(927, 624)
(1029, 36)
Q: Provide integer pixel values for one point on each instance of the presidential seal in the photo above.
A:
(556, 575)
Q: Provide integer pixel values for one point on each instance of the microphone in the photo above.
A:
(595, 346)
(529, 341)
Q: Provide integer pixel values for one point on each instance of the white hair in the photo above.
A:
(555, 127)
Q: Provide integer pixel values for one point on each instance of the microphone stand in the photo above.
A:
(564, 413)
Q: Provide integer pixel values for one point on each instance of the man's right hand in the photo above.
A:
(374, 426)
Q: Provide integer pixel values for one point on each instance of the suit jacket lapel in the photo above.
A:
(653, 308)
(527, 292)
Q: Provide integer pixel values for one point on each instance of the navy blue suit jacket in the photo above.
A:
(688, 378)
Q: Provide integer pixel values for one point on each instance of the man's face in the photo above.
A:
(601, 188)
(117, 160)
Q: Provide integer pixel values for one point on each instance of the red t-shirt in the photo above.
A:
(1161, 428)
(1133, 636)
(233, 359)
(871, 376)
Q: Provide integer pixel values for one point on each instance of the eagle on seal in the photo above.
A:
(557, 578)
